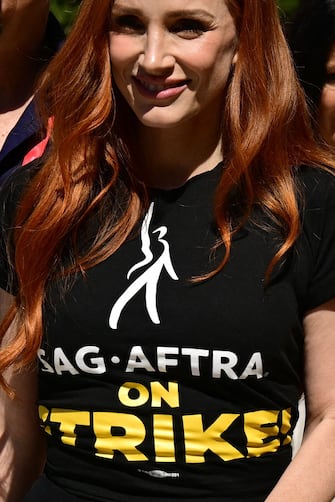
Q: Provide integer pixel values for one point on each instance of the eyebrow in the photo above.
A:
(197, 13)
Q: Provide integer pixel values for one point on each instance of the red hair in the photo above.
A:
(266, 133)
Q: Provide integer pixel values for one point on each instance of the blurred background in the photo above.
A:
(65, 10)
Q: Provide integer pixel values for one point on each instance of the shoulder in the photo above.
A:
(316, 185)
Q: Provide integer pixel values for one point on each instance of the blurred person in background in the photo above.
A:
(312, 40)
(29, 36)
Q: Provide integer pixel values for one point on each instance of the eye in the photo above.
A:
(189, 28)
(127, 24)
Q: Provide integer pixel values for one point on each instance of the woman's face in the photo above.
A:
(326, 116)
(171, 58)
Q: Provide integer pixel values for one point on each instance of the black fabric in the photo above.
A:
(153, 387)
(44, 490)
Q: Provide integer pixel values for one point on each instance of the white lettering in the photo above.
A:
(46, 367)
(163, 361)
(224, 361)
(97, 364)
(254, 367)
(62, 364)
(195, 355)
(90, 359)
(137, 359)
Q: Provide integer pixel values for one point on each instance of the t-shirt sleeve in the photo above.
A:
(319, 232)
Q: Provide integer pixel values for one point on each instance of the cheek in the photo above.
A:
(217, 57)
(122, 52)
(212, 63)
(215, 71)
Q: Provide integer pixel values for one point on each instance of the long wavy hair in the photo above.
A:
(88, 171)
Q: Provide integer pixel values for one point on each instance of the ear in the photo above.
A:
(235, 58)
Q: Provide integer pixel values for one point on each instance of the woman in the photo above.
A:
(171, 266)
(312, 38)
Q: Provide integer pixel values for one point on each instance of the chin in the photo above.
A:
(158, 124)
(165, 120)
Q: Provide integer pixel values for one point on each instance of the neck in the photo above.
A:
(167, 158)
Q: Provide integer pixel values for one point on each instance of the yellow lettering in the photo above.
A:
(68, 421)
(198, 441)
(141, 398)
(164, 438)
(107, 443)
(286, 426)
(266, 431)
(44, 414)
(170, 395)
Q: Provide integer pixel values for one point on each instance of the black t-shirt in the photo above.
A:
(156, 387)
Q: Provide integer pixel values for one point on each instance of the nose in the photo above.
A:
(156, 57)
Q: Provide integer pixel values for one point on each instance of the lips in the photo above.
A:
(157, 90)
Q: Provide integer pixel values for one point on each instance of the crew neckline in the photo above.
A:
(198, 190)
(209, 174)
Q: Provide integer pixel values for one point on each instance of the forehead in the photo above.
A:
(163, 7)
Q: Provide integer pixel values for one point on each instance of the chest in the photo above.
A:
(148, 308)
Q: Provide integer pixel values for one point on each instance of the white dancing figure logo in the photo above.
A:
(150, 277)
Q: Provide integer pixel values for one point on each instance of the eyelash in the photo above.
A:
(132, 24)
(128, 24)
(189, 25)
